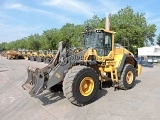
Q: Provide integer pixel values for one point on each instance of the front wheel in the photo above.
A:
(81, 85)
(31, 58)
(39, 59)
(127, 78)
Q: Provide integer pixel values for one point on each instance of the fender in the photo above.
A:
(126, 59)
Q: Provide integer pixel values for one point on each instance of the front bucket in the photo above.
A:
(35, 81)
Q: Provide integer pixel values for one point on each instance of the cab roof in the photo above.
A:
(106, 30)
(101, 29)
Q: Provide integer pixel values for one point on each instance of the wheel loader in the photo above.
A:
(29, 54)
(23, 54)
(81, 72)
(50, 56)
(33, 56)
(4, 54)
(41, 57)
(12, 54)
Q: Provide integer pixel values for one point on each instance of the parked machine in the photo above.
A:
(33, 56)
(12, 54)
(23, 54)
(50, 56)
(41, 56)
(29, 54)
(4, 54)
(82, 73)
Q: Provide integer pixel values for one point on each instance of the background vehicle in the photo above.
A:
(33, 56)
(41, 56)
(81, 73)
(23, 54)
(145, 63)
(50, 55)
(12, 54)
(153, 60)
(29, 54)
(4, 53)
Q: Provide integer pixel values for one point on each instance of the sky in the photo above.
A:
(21, 18)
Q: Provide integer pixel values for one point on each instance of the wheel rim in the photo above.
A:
(129, 77)
(86, 86)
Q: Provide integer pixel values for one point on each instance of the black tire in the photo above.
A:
(47, 60)
(17, 57)
(35, 58)
(124, 82)
(32, 58)
(72, 81)
(39, 59)
(42, 59)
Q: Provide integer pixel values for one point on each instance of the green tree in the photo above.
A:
(67, 33)
(70, 33)
(131, 28)
(11, 45)
(50, 39)
(33, 42)
(158, 40)
(95, 22)
(21, 44)
(78, 29)
(3, 46)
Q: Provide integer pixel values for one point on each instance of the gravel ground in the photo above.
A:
(140, 103)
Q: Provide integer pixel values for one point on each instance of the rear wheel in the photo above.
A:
(16, 57)
(80, 85)
(127, 78)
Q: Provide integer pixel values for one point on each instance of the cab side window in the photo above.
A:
(107, 43)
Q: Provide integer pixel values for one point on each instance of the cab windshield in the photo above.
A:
(100, 41)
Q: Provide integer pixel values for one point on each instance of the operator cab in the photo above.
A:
(101, 40)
